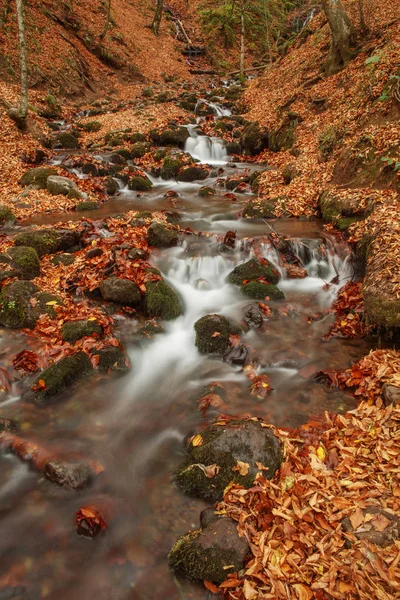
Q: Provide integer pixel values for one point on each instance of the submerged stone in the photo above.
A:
(70, 475)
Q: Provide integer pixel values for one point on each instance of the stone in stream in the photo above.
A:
(49, 241)
(225, 453)
(171, 166)
(161, 236)
(112, 359)
(67, 474)
(75, 330)
(254, 139)
(8, 425)
(16, 309)
(6, 215)
(175, 136)
(63, 186)
(259, 209)
(150, 329)
(252, 270)
(189, 174)
(120, 290)
(88, 205)
(59, 377)
(25, 262)
(253, 317)
(110, 186)
(37, 177)
(67, 140)
(160, 300)
(139, 149)
(140, 183)
(260, 291)
(206, 191)
(213, 333)
(210, 553)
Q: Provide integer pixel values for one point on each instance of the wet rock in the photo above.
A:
(70, 475)
(391, 394)
(46, 304)
(254, 139)
(162, 301)
(175, 136)
(57, 185)
(210, 553)
(63, 259)
(110, 186)
(380, 527)
(7, 217)
(8, 425)
(233, 148)
(229, 239)
(252, 270)
(140, 183)
(256, 209)
(48, 241)
(59, 377)
(206, 191)
(238, 355)
(75, 330)
(117, 159)
(139, 149)
(16, 310)
(260, 291)
(231, 183)
(37, 177)
(25, 262)
(253, 317)
(94, 253)
(138, 254)
(189, 174)
(120, 290)
(67, 141)
(213, 333)
(171, 167)
(88, 205)
(235, 448)
(113, 359)
(160, 236)
(150, 329)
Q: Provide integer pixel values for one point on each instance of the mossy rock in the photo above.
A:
(160, 236)
(60, 376)
(189, 174)
(75, 330)
(233, 148)
(150, 329)
(91, 126)
(253, 270)
(175, 136)
(148, 92)
(259, 291)
(124, 152)
(63, 259)
(139, 149)
(136, 137)
(110, 186)
(48, 241)
(381, 309)
(25, 262)
(118, 160)
(344, 223)
(46, 304)
(206, 191)
(16, 310)
(171, 167)
(231, 183)
(254, 139)
(113, 359)
(213, 333)
(37, 177)
(140, 183)
(211, 553)
(254, 180)
(88, 205)
(257, 209)
(67, 141)
(329, 207)
(124, 291)
(162, 301)
(238, 440)
(6, 215)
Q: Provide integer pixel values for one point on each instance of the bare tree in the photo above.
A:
(343, 33)
(242, 41)
(20, 114)
(155, 26)
(363, 24)
(107, 23)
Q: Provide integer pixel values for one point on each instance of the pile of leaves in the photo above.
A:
(333, 470)
(349, 309)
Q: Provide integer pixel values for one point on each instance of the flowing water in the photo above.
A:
(135, 425)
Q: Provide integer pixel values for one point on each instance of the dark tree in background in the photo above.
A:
(343, 34)
(155, 26)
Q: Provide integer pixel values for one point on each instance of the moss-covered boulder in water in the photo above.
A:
(206, 191)
(110, 186)
(124, 291)
(259, 209)
(253, 270)
(210, 553)
(25, 262)
(16, 310)
(260, 291)
(6, 215)
(140, 183)
(48, 241)
(162, 301)
(170, 168)
(60, 376)
(235, 448)
(189, 174)
(150, 329)
(75, 330)
(213, 333)
(113, 359)
(160, 236)
(88, 205)
(67, 141)
(175, 136)
(139, 149)
(37, 176)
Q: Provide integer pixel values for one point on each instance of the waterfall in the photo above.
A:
(218, 110)
(206, 149)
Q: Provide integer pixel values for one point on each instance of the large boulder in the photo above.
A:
(25, 262)
(210, 553)
(67, 140)
(189, 174)
(261, 291)
(49, 241)
(254, 139)
(213, 334)
(37, 177)
(62, 186)
(124, 291)
(59, 377)
(75, 330)
(140, 183)
(16, 309)
(233, 452)
(252, 270)
(174, 136)
(161, 301)
(160, 236)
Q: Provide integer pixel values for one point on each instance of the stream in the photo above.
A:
(135, 425)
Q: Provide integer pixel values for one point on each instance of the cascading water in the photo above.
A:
(206, 149)
(218, 110)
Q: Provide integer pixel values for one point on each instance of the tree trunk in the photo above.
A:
(343, 34)
(155, 26)
(363, 24)
(19, 115)
(242, 37)
(107, 23)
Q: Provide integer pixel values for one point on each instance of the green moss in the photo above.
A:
(159, 154)
(113, 359)
(259, 291)
(253, 270)
(175, 136)
(91, 126)
(150, 329)
(148, 92)
(254, 139)
(61, 376)
(233, 148)
(206, 191)
(122, 152)
(44, 242)
(37, 177)
(136, 137)
(161, 236)
(16, 310)
(140, 183)
(68, 141)
(162, 301)
(47, 304)
(139, 149)
(63, 259)
(327, 141)
(188, 174)
(6, 215)
(206, 328)
(25, 262)
(87, 205)
(345, 222)
(256, 209)
(170, 168)
(75, 330)
(381, 311)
